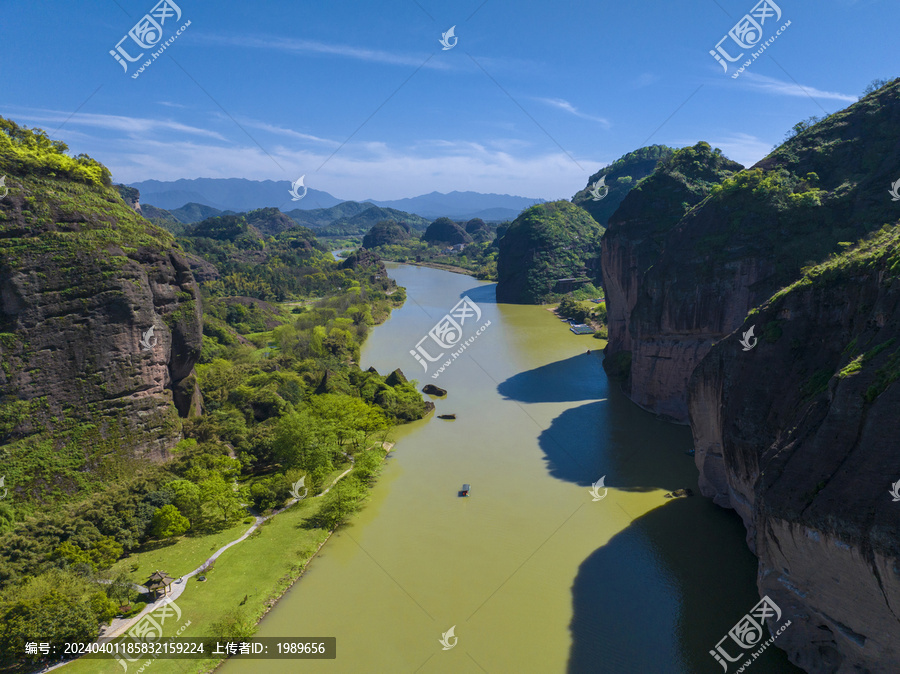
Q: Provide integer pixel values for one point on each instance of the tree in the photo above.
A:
(219, 496)
(186, 499)
(168, 522)
(874, 86)
(802, 126)
(345, 498)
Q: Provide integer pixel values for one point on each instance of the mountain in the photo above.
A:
(194, 212)
(319, 217)
(239, 194)
(462, 205)
(385, 233)
(620, 178)
(635, 238)
(100, 317)
(235, 194)
(364, 221)
(761, 308)
(547, 243)
(444, 231)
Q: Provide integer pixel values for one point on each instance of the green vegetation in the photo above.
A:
(476, 240)
(545, 244)
(878, 254)
(283, 399)
(621, 176)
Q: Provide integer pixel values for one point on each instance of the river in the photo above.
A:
(532, 572)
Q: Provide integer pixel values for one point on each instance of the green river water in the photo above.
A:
(534, 574)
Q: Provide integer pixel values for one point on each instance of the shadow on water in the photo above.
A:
(662, 592)
(560, 382)
(484, 294)
(610, 436)
(659, 583)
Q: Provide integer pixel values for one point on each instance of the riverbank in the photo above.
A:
(617, 580)
(280, 538)
(437, 265)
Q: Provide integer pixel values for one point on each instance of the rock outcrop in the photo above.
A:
(796, 431)
(99, 315)
(546, 244)
(386, 233)
(615, 181)
(749, 237)
(799, 436)
(633, 243)
(444, 231)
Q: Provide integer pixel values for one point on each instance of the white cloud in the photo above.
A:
(782, 88)
(293, 45)
(132, 126)
(563, 104)
(280, 131)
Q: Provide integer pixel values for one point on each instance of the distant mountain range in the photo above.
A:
(240, 195)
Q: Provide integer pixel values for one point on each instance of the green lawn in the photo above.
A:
(180, 556)
(284, 545)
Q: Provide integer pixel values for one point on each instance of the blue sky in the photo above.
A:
(363, 100)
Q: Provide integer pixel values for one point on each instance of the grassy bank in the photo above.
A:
(238, 588)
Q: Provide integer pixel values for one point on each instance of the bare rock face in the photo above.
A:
(101, 325)
(800, 436)
(655, 366)
(799, 433)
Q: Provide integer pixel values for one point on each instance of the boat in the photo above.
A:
(464, 491)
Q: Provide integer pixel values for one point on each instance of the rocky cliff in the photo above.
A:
(546, 243)
(796, 431)
(749, 237)
(800, 436)
(636, 234)
(99, 315)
